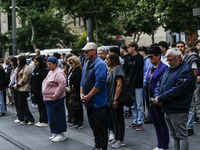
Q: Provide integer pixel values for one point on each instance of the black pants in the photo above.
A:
(69, 108)
(98, 123)
(42, 109)
(4, 98)
(78, 114)
(23, 106)
(18, 110)
(118, 118)
(109, 119)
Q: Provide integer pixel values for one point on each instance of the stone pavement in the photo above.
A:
(34, 138)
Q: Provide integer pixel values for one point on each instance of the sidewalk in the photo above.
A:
(77, 139)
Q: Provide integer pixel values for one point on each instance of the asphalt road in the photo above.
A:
(35, 138)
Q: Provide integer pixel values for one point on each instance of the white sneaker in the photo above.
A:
(59, 138)
(156, 148)
(112, 142)
(23, 123)
(118, 144)
(36, 124)
(53, 136)
(34, 105)
(30, 123)
(17, 121)
(43, 125)
(111, 136)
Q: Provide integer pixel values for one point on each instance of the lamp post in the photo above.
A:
(14, 39)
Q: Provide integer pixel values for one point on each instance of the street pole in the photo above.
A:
(90, 37)
(14, 39)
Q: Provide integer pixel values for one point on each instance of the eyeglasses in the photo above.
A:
(180, 46)
(151, 56)
(171, 59)
(71, 63)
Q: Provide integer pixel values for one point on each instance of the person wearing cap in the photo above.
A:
(28, 58)
(94, 94)
(164, 47)
(53, 91)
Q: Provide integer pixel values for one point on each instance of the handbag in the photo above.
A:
(74, 99)
(152, 103)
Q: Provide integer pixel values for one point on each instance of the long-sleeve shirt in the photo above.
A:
(147, 65)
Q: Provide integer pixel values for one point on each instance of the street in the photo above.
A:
(35, 138)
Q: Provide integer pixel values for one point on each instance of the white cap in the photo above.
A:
(89, 46)
(27, 54)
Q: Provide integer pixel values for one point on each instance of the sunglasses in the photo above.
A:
(151, 56)
(180, 46)
(171, 59)
(71, 63)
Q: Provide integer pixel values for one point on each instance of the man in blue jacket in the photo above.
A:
(174, 92)
(94, 95)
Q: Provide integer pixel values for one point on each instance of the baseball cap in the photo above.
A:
(89, 46)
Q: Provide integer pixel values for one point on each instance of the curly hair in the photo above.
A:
(76, 60)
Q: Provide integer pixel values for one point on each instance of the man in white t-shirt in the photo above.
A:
(164, 47)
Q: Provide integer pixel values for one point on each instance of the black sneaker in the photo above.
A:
(2, 114)
(79, 126)
(148, 120)
(190, 132)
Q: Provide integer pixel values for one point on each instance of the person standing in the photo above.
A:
(192, 60)
(94, 94)
(39, 74)
(135, 73)
(73, 86)
(2, 88)
(174, 92)
(164, 47)
(114, 86)
(23, 85)
(53, 91)
(153, 76)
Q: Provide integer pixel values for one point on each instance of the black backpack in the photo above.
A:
(127, 96)
(6, 80)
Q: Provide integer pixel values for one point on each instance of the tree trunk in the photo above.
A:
(152, 29)
(33, 34)
(96, 26)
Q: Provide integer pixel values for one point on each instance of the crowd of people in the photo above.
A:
(166, 83)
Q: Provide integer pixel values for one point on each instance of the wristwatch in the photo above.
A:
(115, 99)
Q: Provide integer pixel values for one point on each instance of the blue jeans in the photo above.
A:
(138, 107)
(2, 105)
(190, 123)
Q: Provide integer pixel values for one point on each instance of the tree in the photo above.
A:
(177, 15)
(140, 17)
(96, 10)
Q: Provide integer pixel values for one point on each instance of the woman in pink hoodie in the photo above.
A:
(53, 90)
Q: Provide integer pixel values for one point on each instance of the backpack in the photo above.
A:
(6, 79)
(127, 96)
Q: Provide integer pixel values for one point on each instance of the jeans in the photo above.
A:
(190, 123)
(177, 125)
(56, 115)
(2, 104)
(118, 118)
(98, 124)
(197, 100)
(138, 107)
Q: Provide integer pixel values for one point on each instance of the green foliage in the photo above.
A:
(178, 16)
